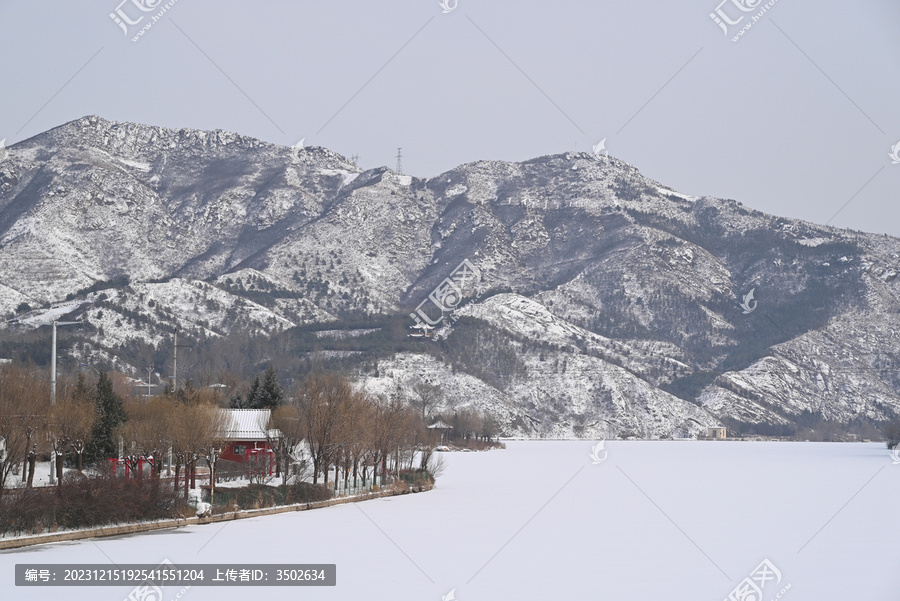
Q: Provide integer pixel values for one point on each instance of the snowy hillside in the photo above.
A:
(606, 304)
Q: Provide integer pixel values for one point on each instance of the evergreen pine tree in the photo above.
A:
(252, 398)
(269, 395)
(110, 415)
(82, 391)
(237, 401)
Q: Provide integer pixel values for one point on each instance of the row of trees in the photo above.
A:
(341, 429)
(468, 424)
(20, 421)
(84, 423)
(30, 426)
(359, 435)
(325, 419)
(166, 425)
(90, 421)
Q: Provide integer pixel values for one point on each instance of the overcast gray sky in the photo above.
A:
(796, 118)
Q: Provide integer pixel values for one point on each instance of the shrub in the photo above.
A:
(417, 477)
(85, 502)
(257, 496)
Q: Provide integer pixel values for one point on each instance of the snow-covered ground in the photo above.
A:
(41, 475)
(540, 520)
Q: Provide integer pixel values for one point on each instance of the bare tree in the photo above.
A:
(323, 402)
(178, 441)
(72, 420)
(427, 397)
(358, 438)
(351, 437)
(193, 432)
(392, 425)
(490, 428)
(83, 400)
(466, 424)
(200, 426)
(31, 459)
(433, 464)
(149, 431)
(24, 404)
(213, 444)
(287, 420)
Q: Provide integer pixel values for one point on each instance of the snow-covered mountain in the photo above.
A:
(599, 302)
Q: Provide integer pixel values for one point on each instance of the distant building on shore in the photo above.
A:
(716, 433)
(246, 437)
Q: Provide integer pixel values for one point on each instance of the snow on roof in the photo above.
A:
(439, 424)
(246, 424)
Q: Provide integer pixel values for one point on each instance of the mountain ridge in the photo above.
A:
(640, 284)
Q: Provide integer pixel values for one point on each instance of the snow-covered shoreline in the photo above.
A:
(654, 519)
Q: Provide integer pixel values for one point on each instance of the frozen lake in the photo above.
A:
(540, 520)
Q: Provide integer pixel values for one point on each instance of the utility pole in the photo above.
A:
(149, 369)
(399, 161)
(53, 392)
(53, 358)
(53, 450)
(175, 361)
